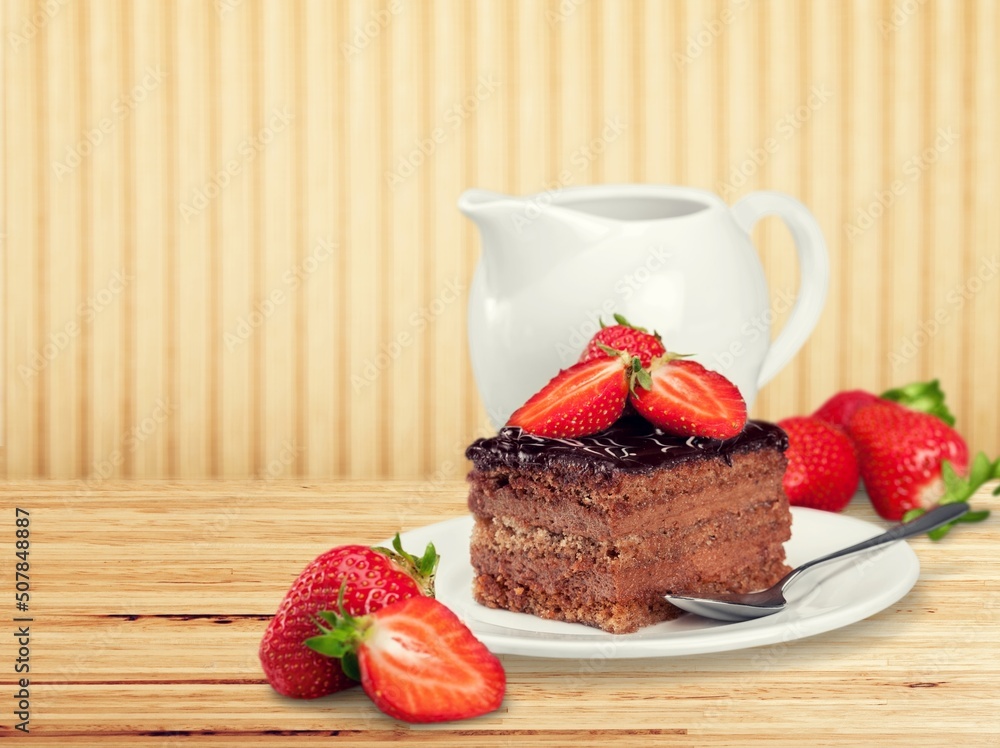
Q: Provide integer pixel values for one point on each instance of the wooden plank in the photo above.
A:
(658, 98)
(461, 100)
(862, 349)
(618, 92)
(940, 165)
(901, 355)
(699, 107)
(983, 351)
(147, 448)
(364, 292)
(23, 162)
(116, 94)
(280, 125)
(73, 136)
(238, 426)
(319, 279)
(822, 197)
(199, 187)
(788, 93)
(401, 213)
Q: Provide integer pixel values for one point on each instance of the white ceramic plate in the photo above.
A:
(826, 598)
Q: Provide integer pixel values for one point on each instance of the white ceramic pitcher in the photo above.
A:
(672, 259)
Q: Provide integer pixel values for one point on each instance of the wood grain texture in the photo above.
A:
(149, 599)
(277, 182)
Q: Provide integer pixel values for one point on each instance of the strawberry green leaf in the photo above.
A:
(958, 488)
(941, 531)
(981, 470)
(926, 397)
(329, 617)
(340, 633)
(325, 645)
(620, 319)
(974, 516)
(639, 374)
(421, 569)
(349, 664)
(952, 482)
(609, 350)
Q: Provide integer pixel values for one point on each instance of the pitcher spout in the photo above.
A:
(524, 237)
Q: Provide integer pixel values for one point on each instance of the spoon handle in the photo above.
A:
(924, 523)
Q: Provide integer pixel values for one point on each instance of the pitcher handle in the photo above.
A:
(814, 272)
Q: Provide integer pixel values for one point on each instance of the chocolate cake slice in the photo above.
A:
(596, 529)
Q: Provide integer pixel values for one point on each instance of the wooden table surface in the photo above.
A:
(148, 600)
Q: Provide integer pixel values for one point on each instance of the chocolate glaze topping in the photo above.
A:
(631, 444)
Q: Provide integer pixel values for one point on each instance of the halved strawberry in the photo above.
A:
(365, 579)
(416, 660)
(683, 397)
(624, 336)
(900, 453)
(583, 399)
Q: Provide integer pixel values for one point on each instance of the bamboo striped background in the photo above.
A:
(216, 214)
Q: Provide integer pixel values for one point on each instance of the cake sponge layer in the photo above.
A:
(614, 616)
(731, 557)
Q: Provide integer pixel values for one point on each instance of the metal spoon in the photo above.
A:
(737, 607)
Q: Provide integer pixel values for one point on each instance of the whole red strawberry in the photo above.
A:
(822, 471)
(583, 399)
(900, 452)
(416, 660)
(371, 578)
(683, 397)
(839, 408)
(624, 336)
